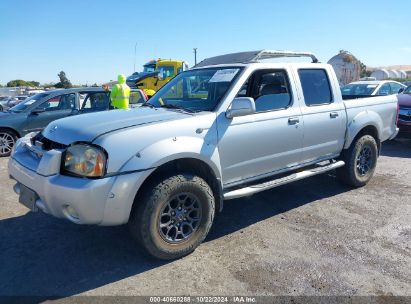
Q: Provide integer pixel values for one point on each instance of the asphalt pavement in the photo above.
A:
(312, 237)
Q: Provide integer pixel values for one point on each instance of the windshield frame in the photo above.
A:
(176, 78)
(407, 90)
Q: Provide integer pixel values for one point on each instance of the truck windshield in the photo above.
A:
(196, 90)
(358, 89)
(149, 68)
(27, 103)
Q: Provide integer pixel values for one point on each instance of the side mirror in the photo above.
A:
(37, 111)
(241, 106)
(400, 90)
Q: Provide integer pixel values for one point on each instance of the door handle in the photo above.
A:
(293, 120)
(333, 114)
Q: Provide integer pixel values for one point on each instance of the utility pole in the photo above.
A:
(195, 56)
(135, 54)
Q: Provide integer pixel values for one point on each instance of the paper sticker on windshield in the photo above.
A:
(225, 75)
(372, 86)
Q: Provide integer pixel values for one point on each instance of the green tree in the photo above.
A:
(33, 83)
(64, 82)
(363, 70)
(23, 83)
(17, 83)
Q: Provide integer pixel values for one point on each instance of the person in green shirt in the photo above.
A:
(120, 93)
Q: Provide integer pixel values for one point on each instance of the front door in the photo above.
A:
(267, 141)
(50, 110)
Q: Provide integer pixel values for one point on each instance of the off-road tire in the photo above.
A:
(350, 174)
(7, 141)
(145, 216)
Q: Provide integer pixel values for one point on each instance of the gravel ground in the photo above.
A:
(312, 237)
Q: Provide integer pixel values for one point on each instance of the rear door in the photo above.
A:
(323, 115)
(52, 109)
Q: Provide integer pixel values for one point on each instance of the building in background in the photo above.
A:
(382, 74)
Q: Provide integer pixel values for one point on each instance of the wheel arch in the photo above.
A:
(190, 165)
(12, 130)
(365, 122)
(366, 130)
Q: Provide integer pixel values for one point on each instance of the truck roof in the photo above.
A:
(252, 57)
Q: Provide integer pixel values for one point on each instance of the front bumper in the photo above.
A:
(105, 201)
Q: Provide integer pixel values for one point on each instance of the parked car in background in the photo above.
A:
(37, 111)
(6, 102)
(404, 117)
(137, 98)
(21, 98)
(230, 127)
(360, 89)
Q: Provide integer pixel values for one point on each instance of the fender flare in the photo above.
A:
(362, 120)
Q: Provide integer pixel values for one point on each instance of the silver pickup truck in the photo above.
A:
(232, 126)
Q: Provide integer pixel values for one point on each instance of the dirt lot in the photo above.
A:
(313, 237)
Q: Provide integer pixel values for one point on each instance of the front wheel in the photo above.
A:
(7, 141)
(360, 162)
(173, 217)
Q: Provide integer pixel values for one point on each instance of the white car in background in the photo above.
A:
(359, 89)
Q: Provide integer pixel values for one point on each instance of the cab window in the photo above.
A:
(269, 88)
(395, 87)
(62, 102)
(97, 100)
(384, 90)
(316, 87)
(166, 71)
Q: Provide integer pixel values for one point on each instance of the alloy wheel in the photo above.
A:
(364, 161)
(6, 143)
(179, 218)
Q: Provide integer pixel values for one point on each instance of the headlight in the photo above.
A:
(85, 160)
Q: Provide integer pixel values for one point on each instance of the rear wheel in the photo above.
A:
(173, 217)
(7, 141)
(360, 162)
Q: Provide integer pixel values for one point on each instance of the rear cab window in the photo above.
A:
(316, 87)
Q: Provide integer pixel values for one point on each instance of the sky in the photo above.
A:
(95, 40)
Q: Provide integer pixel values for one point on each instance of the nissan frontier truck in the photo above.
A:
(232, 126)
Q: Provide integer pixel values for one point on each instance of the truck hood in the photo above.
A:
(404, 100)
(87, 127)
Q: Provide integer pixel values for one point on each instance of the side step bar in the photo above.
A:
(250, 190)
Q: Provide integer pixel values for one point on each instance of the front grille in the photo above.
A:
(47, 144)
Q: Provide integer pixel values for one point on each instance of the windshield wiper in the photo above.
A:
(171, 106)
(147, 104)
